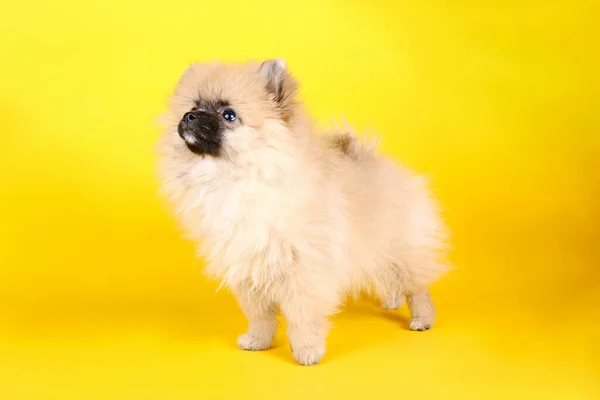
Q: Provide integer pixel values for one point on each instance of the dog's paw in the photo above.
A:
(251, 343)
(419, 324)
(308, 355)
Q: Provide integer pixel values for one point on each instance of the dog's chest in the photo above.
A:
(243, 227)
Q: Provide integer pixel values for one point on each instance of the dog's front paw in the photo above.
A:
(308, 355)
(419, 324)
(252, 343)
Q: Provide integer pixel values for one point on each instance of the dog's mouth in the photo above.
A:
(200, 144)
(201, 138)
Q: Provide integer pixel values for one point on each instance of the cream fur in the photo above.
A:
(293, 221)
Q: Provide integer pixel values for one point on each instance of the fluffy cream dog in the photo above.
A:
(290, 220)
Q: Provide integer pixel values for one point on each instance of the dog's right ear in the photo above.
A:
(190, 72)
(187, 87)
(279, 83)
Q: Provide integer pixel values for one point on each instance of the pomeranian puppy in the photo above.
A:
(293, 221)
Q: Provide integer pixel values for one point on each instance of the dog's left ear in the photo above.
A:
(279, 83)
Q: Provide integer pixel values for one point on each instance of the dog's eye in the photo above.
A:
(229, 115)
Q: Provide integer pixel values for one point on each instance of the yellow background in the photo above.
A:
(498, 101)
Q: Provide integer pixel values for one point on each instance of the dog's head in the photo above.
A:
(221, 110)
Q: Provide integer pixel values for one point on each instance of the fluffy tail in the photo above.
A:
(345, 140)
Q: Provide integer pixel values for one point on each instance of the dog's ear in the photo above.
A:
(189, 72)
(188, 80)
(273, 73)
(279, 83)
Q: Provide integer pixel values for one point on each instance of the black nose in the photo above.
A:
(189, 117)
